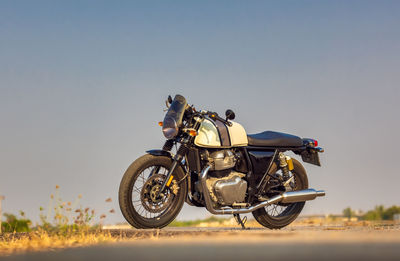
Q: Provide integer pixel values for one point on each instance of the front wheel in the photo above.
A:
(277, 216)
(140, 201)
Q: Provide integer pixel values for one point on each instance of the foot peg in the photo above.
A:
(240, 221)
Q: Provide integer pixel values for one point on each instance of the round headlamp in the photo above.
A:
(170, 128)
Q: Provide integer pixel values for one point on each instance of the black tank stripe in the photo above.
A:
(223, 134)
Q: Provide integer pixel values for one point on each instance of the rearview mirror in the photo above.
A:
(230, 115)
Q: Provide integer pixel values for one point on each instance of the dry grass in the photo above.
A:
(13, 243)
(65, 225)
(45, 241)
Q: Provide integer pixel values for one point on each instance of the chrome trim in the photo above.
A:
(287, 197)
(301, 195)
(288, 181)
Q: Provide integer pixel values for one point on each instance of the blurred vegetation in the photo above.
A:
(15, 224)
(382, 213)
(61, 217)
(191, 223)
(62, 224)
(65, 216)
(378, 213)
(348, 213)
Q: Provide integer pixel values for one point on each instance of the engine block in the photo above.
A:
(228, 190)
(222, 159)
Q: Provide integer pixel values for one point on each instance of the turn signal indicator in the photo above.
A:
(192, 133)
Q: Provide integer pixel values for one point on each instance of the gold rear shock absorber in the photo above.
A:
(286, 164)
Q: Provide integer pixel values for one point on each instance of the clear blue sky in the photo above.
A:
(83, 84)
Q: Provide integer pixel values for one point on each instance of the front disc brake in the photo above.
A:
(152, 200)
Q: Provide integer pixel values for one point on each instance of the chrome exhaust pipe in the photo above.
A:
(286, 197)
(301, 195)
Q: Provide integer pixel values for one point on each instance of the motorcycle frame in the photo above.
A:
(255, 176)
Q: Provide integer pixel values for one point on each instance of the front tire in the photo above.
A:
(134, 181)
(291, 211)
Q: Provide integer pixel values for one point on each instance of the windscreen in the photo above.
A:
(177, 109)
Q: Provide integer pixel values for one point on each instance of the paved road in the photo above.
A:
(315, 243)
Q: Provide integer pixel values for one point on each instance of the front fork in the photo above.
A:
(177, 159)
(167, 147)
(180, 154)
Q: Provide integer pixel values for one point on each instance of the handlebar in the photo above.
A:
(214, 116)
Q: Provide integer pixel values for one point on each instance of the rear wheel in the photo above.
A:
(277, 216)
(140, 201)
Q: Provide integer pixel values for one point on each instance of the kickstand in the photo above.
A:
(240, 221)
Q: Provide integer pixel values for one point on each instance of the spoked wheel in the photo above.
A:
(279, 215)
(140, 199)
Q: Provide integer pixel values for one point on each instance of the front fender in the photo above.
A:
(160, 153)
(167, 154)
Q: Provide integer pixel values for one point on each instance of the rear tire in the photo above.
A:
(126, 189)
(292, 210)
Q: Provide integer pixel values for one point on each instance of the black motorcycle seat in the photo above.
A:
(274, 139)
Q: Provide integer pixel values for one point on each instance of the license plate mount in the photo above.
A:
(310, 156)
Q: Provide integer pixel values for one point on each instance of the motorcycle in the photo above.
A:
(219, 167)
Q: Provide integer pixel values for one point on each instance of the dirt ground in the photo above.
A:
(232, 243)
